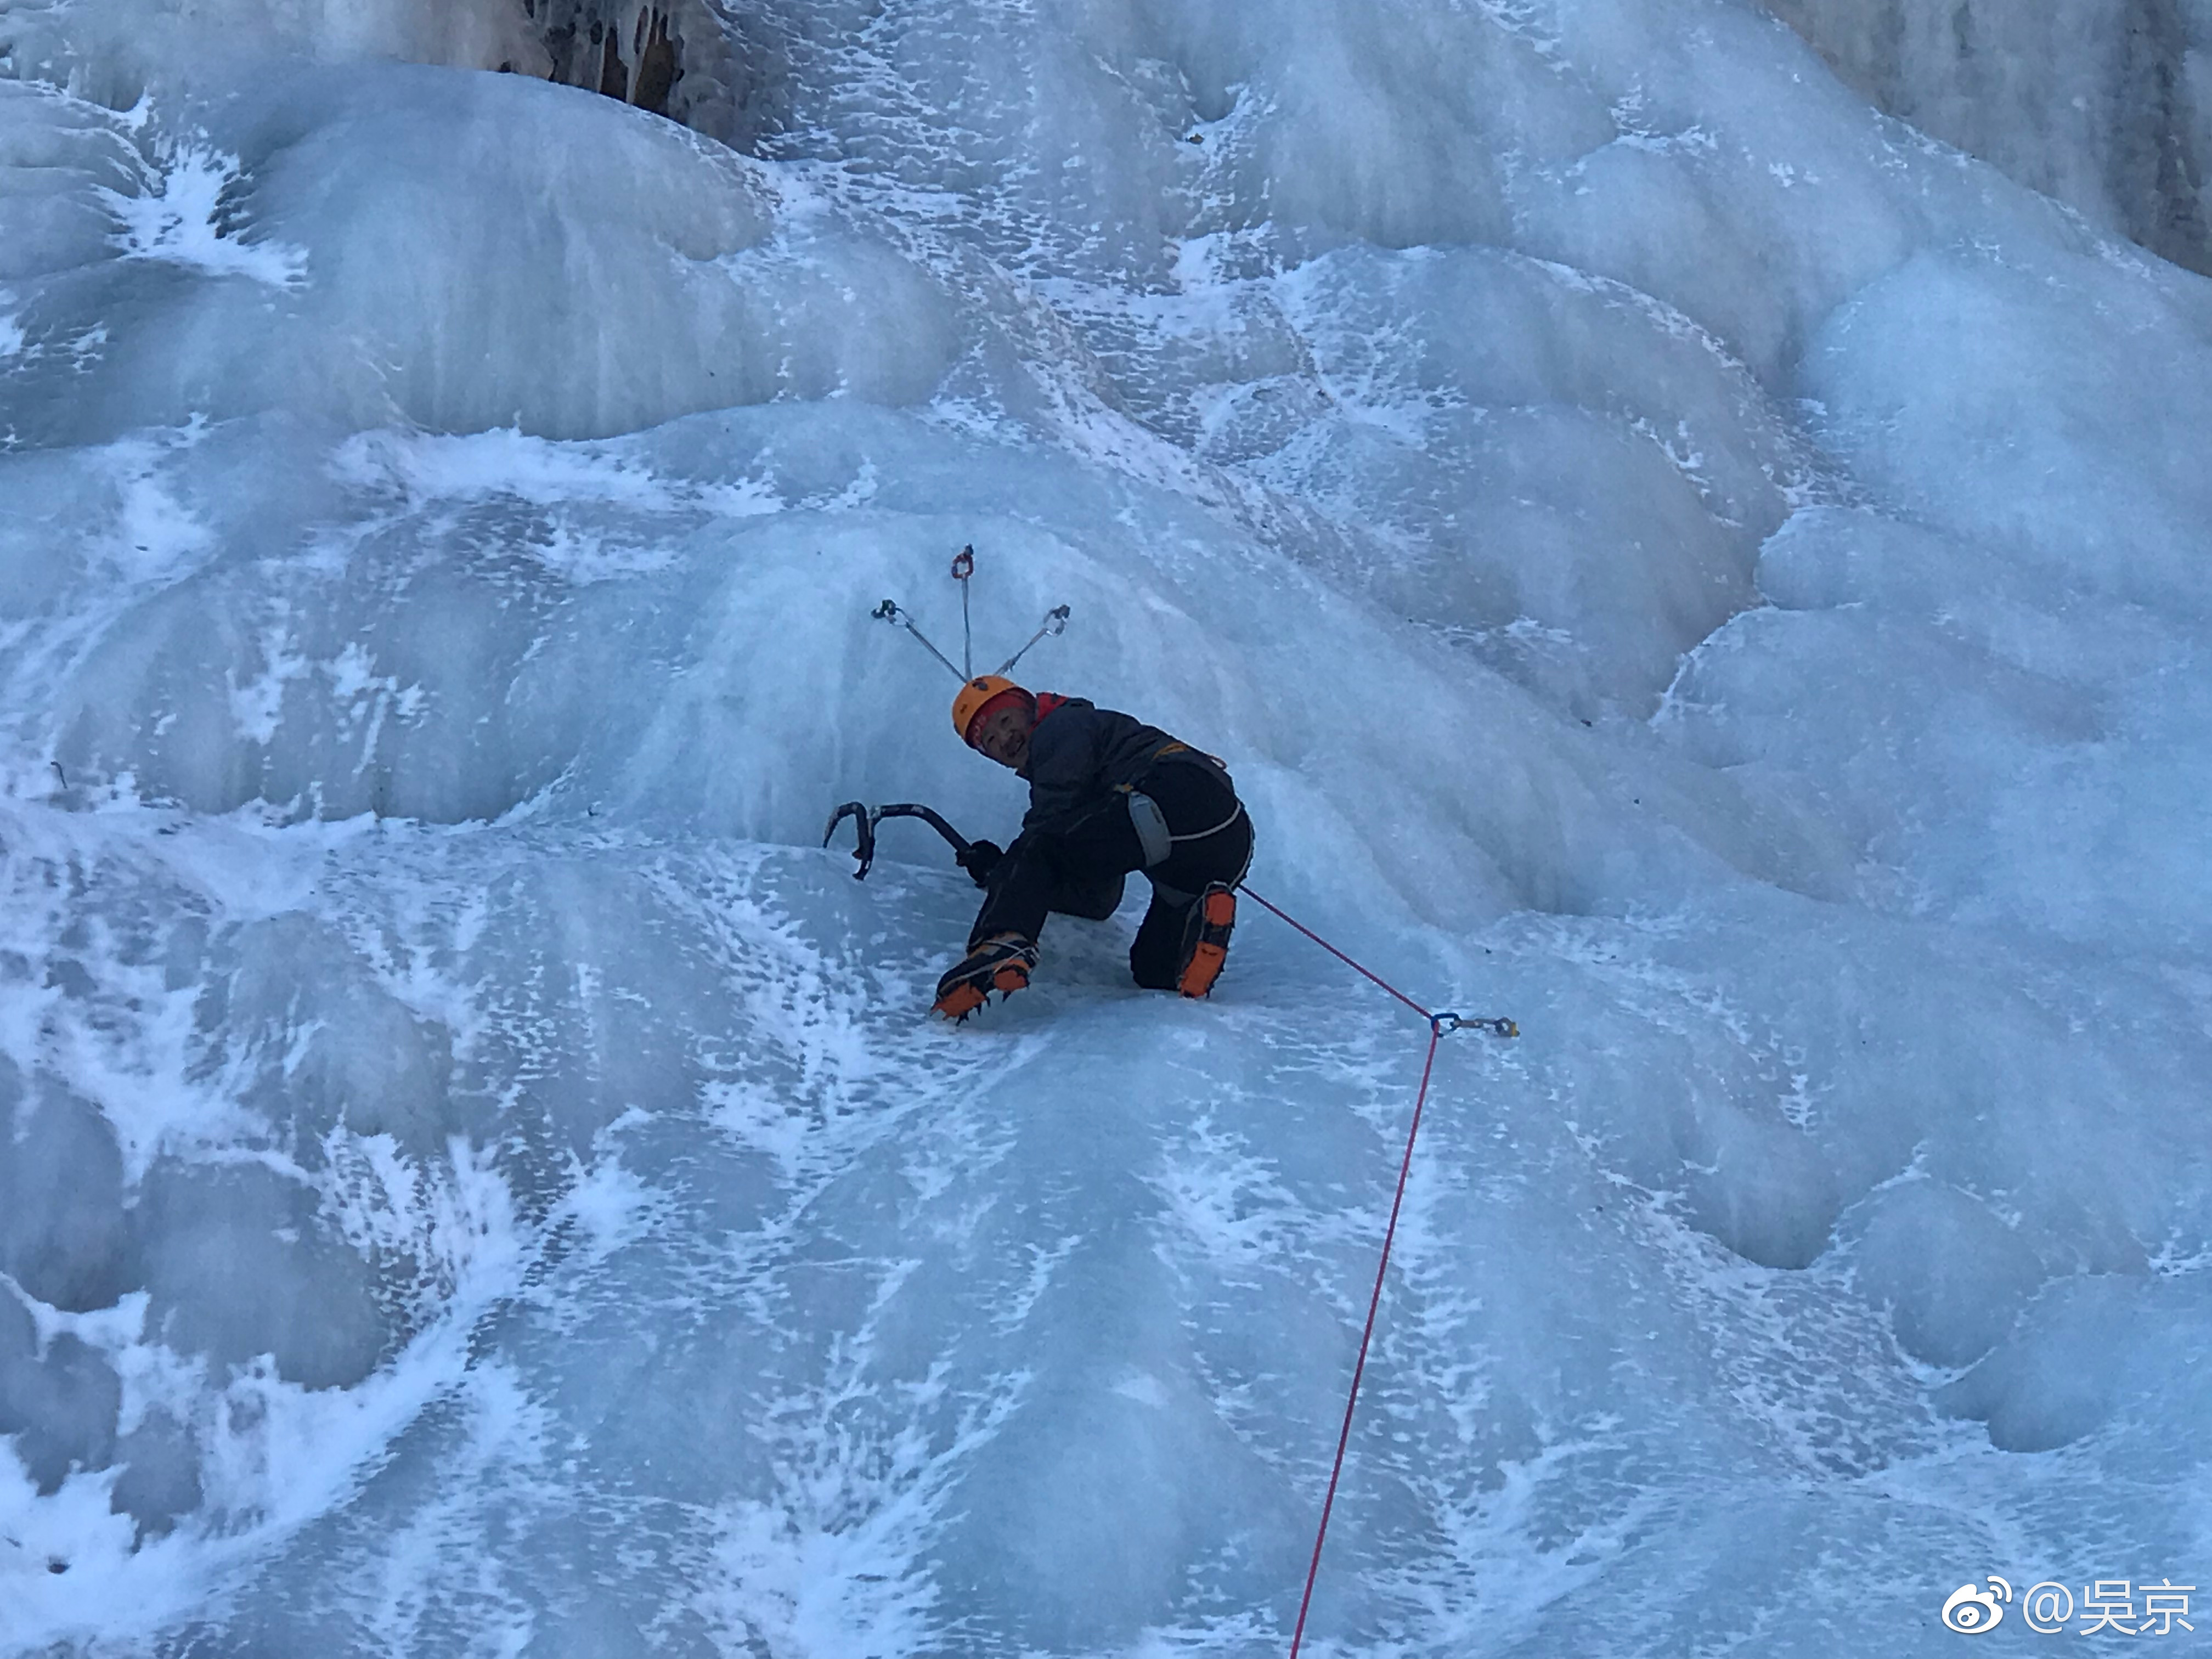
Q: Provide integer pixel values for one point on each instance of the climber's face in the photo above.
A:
(1003, 732)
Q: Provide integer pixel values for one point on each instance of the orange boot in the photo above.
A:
(1001, 964)
(1206, 945)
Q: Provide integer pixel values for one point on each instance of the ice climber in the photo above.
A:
(1108, 795)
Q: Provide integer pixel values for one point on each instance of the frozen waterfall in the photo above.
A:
(1670, 553)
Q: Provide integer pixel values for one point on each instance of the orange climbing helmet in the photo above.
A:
(978, 698)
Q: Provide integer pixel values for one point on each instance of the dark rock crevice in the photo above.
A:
(680, 59)
(2105, 104)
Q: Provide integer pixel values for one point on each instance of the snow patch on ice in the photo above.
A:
(188, 212)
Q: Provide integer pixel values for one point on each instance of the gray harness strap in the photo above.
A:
(1157, 841)
(1201, 834)
(1152, 825)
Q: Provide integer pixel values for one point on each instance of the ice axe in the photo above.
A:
(866, 818)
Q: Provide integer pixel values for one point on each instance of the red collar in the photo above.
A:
(1047, 701)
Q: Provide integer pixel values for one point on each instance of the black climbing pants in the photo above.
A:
(1079, 870)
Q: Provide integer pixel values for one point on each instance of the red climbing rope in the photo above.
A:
(1359, 1367)
(1334, 951)
(1438, 1025)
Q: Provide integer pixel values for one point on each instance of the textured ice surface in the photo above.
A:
(1668, 554)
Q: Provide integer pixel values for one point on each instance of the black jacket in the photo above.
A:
(1078, 754)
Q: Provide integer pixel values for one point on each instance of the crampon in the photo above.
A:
(1001, 964)
(1207, 946)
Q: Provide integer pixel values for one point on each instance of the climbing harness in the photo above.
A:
(1153, 835)
(1440, 1024)
(1150, 824)
(1207, 834)
(964, 567)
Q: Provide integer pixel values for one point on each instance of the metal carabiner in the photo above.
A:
(1054, 625)
(889, 612)
(963, 567)
(1445, 1023)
